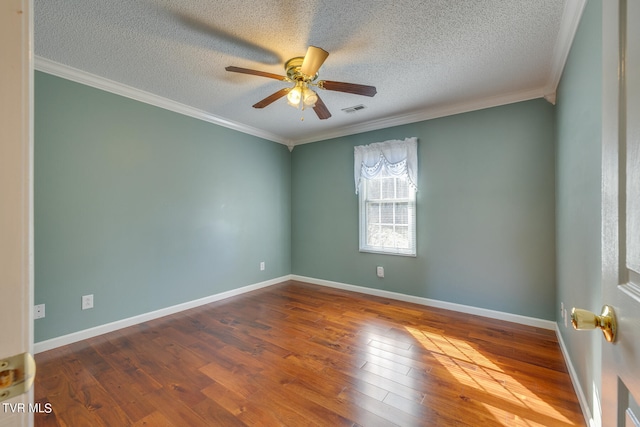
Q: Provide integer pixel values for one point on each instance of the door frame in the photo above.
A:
(16, 193)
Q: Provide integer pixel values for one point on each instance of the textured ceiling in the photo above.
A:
(426, 58)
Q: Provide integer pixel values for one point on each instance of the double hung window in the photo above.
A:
(385, 176)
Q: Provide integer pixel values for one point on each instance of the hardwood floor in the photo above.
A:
(296, 354)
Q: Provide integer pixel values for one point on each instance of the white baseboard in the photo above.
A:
(493, 314)
(582, 399)
(124, 323)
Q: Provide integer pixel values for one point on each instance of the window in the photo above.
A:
(385, 175)
(388, 216)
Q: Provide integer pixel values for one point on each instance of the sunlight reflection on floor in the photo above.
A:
(473, 369)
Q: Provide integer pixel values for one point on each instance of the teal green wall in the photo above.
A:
(579, 146)
(145, 208)
(485, 211)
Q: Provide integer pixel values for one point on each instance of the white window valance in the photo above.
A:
(394, 158)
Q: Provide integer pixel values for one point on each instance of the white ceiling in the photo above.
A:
(427, 58)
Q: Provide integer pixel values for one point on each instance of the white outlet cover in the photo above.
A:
(38, 311)
(380, 271)
(262, 266)
(87, 302)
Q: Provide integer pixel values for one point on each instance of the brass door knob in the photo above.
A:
(16, 375)
(585, 320)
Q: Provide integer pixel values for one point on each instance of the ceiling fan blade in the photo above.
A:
(313, 60)
(271, 98)
(321, 110)
(348, 87)
(255, 73)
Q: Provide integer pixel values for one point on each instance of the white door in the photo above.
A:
(16, 334)
(621, 210)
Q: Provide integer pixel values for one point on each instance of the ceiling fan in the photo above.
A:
(303, 73)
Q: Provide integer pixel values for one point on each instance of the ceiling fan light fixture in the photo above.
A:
(301, 94)
(309, 97)
(295, 96)
(302, 71)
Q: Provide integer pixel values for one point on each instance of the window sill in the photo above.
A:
(384, 252)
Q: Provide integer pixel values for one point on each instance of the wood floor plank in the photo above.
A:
(297, 354)
(384, 414)
(175, 410)
(155, 419)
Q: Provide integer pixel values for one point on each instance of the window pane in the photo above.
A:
(373, 188)
(402, 237)
(402, 188)
(388, 191)
(386, 216)
(373, 212)
(373, 235)
(402, 213)
(387, 236)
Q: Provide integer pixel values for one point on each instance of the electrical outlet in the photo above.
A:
(262, 266)
(38, 311)
(380, 271)
(87, 302)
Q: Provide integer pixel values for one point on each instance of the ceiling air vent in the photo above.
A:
(354, 108)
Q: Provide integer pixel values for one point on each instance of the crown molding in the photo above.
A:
(426, 114)
(568, 26)
(88, 79)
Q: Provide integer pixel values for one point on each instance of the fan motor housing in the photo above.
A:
(293, 67)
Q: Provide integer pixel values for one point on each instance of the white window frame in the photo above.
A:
(365, 201)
